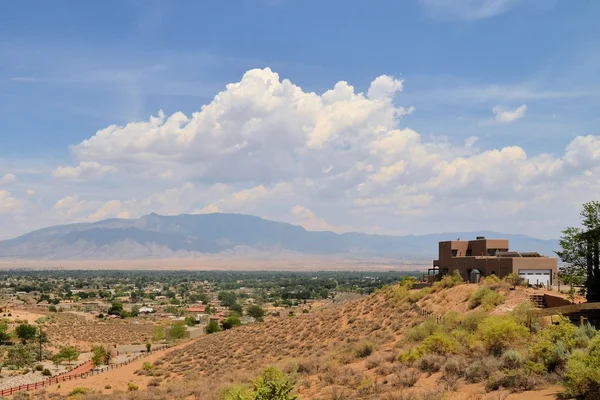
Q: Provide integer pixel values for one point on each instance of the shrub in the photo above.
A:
(511, 359)
(439, 343)
(132, 387)
(500, 333)
(431, 363)
(147, 366)
(516, 380)
(39, 367)
(447, 282)
(472, 320)
(480, 371)
(46, 372)
(420, 332)
(454, 368)
(407, 378)
(78, 390)
(582, 378)
(485, 297)
(107, 387)
(364, 349)
(274, 385)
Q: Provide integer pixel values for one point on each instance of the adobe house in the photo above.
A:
(486, 257)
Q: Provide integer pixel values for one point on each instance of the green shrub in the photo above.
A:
(582, 379)
(78, 390)
(485, 297)
(417, 295)
(422, 331)
(511, 359)
(447, 282)
(472, 320)
(46, 372)
(147, 366)
(132, 387)
(274, 385)
(39, 367)
(499, 333)
(440, 343)
(107, 387)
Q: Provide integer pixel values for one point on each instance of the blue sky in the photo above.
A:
(511, 73)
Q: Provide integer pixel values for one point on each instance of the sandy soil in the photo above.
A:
(118, 378)
(18, 314)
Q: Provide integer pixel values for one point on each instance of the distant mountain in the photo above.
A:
(156, 236)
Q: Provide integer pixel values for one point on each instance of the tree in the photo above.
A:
(20, 356)
(4, 336)
(41, 338)
(69, 353)
(52, 308)
(98, 355)
(230, 322)
(116, 308)
(177, 331)
(212, 327)
(148, 347)
(255, 311)
(158, 333)
(190, 321)
(581, 252)
(25, 332)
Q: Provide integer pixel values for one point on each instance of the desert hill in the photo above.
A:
(158, 237)
(476, 345)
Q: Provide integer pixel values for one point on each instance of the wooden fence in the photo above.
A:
(69, 376)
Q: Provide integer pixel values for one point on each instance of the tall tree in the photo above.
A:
(581, 251)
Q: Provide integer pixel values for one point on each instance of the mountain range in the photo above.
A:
(156, 236)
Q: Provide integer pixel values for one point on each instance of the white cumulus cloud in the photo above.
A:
(7, 178)
(86, 170)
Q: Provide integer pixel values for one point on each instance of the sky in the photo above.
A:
(382, 116)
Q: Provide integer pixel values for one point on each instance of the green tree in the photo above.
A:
(158, 333)
(20, 356)
(190, 321)
(52, 308)
(212, 327)
(255, 311)
(116, 308)
(98, 355)
(4, 336)
(231, 322)
(177, 331)
(69, 353)
(580, 251)
(25, 332)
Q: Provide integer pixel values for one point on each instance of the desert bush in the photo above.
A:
(407, 377)
(454, 368)
(46, 372)
(480, 371)
(420, 332)
(364, 349)
(582, 335)
(154, 382)
(79, 390)
(439, 343)
(447, 282)
(582, 379)
(417, 295)
(107, 387)
(39, 367)
(132, 387)
(431, 363)
(472, 320)
(499, 333)
(511, 359)
(526, 314)
(485, 297)
(274, 385)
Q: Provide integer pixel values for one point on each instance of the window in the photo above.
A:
(491, 252)
(454, 253)
(469, 252)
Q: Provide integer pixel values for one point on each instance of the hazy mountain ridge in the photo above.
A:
(155, 236)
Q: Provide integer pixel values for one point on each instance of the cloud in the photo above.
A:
(86, 170)
(8, 203)
(265, 146)
(505, 115)
(8, 178)
(468, 9)
(310, 221)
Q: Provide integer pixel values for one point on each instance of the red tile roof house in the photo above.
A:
(196, 309)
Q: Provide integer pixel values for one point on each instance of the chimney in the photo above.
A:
(480, 237)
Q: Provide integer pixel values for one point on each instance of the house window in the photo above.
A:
(469, 252)
(454, 252)
(491, 252)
